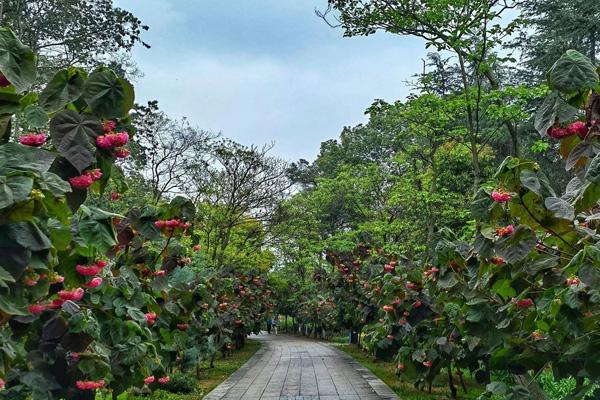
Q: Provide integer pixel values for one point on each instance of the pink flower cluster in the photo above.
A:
(95, 282)
(109, 125)
(431, 271)
(497, 260)
(89, 385)
(150, 318)
(149, 380)
(164, 380)
(576, 128)
(32, 139)
(524, 303)
(2, 383)
(36, 308)
(501, 196)
(112, 140)
(73, 295)
(86, 180)
(171, 224)
(91, 270)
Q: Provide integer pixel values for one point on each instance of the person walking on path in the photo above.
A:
(276, 323)
(269, 324)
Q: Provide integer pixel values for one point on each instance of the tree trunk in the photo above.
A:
(534, 388)
(472, 134)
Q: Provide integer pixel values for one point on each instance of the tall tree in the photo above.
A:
(60, 31)
(469, 29)
(553, 27)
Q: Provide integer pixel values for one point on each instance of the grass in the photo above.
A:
(386, 371)
(211, 377)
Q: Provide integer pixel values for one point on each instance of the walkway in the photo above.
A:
(293, 368)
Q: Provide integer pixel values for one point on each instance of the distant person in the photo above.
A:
(269, 325)
(276, 323)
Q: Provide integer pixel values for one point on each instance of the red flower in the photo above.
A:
(92, 270)
(197, 247)
(417, 304)
(74, 356)
(81, 182)
(388, 308)
(578, 127)
(2, 384)
(36, 308)
(150, 318)
(500, 196)
(86, 180)
(149, 380)
(524, 303)
(559, 133)
(427, 364)
(112, 140)
(73, 295)
(89, 385)
(390, 337)
(95, 282)
(114, 196)
(402, 322)
(159, 273)
(58, 279)
(183, 327)
(401, 367)
(56, 304)
(101, 263)
(388, 268)
(32, 139)
(411, 285)
(164, 380)
(497, 260)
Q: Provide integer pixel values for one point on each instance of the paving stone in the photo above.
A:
(294, 368)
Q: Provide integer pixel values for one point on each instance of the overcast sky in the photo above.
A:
(266, 70)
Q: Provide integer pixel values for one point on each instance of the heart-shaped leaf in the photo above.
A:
(65, 87)
(17, 61)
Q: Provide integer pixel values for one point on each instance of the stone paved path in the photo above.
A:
(293, 368)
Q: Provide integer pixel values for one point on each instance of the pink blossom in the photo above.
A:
(30, 282)
(500, 196)
(89, 385)
(56, 304)
(428, 364)
(2, 384)
(73, 295)
(114, 196)
(164, 380)
(81, 182)
(36, 308)
(122, 153)
(108, 125)
(388, 268)
(32, 139)
(578, 127)
(497, 260)
(91, 270)
(411, 286)
(159, 273)
(149, 380)
(524, 303)
(505, 231)
(559, 133)
(101, 263)
(74, 356)
(95, 282)
(197, 247)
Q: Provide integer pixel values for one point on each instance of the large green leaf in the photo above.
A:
(516, 247)
(16, 156)
(98, 234)
(573, 72)
(20, 187)
(65, 87)
(17, 61)
(29, 235)
(13, 305)
(74, 135)
(6, 196)
(108, 95)
(593, 172)
(35, 116)
(54, 184)
(10, 103)
(554, 108)
(560, 208)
